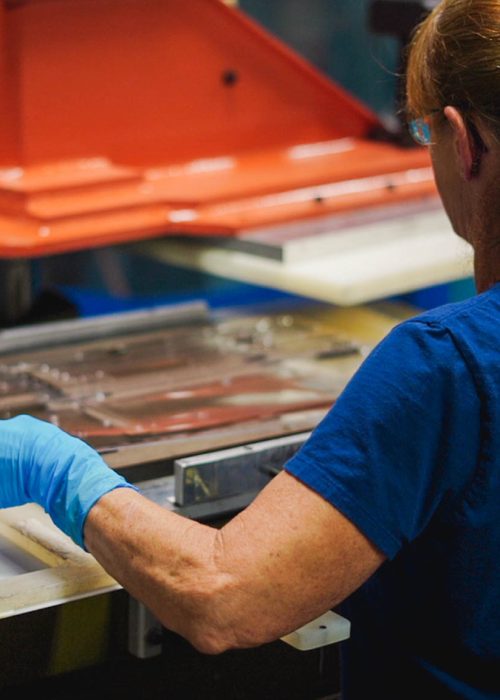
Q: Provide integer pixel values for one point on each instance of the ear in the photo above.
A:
(465, 147)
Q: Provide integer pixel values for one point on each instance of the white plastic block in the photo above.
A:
(327, 629)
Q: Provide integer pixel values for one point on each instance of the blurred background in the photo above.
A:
(336, 37)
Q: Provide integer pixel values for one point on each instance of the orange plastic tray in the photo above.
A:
(126, 119)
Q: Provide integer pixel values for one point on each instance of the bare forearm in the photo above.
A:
(162, 559)
(280, 563)
(211, 586)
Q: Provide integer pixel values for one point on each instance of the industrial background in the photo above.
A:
(67, 631)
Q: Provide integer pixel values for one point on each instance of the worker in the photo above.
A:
(390, 512)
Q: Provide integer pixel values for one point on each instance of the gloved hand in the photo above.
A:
(40, 463)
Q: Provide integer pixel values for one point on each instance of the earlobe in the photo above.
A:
(468, 157)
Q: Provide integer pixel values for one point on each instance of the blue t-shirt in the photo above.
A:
(410, 453)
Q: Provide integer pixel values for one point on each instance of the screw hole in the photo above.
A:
(230, 77)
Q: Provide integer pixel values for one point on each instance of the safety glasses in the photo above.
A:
(420, 129)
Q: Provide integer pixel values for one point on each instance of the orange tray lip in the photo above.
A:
(123, 205)
(56, 205)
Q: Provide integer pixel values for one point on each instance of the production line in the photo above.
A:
(240, 137)
(200, 410)
(190, 134)
(151, 389)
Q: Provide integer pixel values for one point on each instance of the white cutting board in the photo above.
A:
(370, 264)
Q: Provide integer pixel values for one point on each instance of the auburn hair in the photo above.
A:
(454, 59)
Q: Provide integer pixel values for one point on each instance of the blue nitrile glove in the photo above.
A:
(40, 463)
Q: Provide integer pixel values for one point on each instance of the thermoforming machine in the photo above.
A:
(128, 121)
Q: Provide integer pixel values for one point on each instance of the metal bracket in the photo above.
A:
(144, 631)
(218, 475)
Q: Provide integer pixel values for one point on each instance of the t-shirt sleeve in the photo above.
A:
(401, 438)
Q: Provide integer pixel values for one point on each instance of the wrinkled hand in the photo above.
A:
(40, 463)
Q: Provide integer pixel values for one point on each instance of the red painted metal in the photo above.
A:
(126, 119)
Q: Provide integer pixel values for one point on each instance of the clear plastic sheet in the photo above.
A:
(191, 378)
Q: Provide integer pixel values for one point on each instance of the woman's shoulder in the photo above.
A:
(458, 336)
(456, 313)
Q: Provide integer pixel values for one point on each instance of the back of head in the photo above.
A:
(454, 59)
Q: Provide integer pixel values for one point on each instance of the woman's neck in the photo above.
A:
(486, 263)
